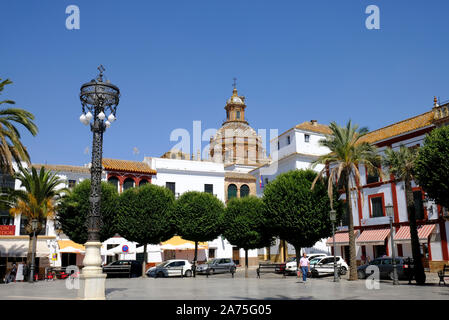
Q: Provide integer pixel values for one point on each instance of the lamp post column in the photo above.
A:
(333, 218)
(97, 97)
(393, 254)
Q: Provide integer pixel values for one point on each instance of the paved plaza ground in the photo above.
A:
(224, 287)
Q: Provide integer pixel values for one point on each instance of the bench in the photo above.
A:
(442, 274)
(270, 267)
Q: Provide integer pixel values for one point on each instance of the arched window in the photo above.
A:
(128, 183)
(244, 191)
(113, 181)
(142, 182)
(232, 191)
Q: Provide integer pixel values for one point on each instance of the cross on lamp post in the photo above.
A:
(333, 218)
(97, 97)
(390, 213)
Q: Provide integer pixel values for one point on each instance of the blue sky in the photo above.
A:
(174, 62)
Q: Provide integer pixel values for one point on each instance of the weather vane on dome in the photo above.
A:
(235, 83)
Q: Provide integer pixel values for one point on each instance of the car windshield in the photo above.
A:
(211, 261)
(315, 260)
(163, 264)
(291, 259)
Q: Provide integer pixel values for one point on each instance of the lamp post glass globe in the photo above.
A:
(333, 215)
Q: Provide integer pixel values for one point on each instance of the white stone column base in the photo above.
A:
(92, 280)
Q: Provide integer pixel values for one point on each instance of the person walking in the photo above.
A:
(305, 266)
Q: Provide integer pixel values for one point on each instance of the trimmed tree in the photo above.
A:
(198, 217)
(432, 165)
(72, 213)
(145, 216)
(245, 225)
(296, 212)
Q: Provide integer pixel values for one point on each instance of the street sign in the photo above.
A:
(125, 248)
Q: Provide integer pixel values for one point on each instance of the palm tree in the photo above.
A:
(11, 148)
(401, 164)
(346, 154)
(36, 201)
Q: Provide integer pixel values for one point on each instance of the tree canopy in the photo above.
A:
(198, 216)
(432, 165)
(74, 208)
(296, 212)
(245, 224)
(144, 214)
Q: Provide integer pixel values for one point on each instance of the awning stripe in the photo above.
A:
(373, 235)
(341, 238)
(424, 232)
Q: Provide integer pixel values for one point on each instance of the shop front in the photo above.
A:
(403, 239)
(374, 243)
(15, 251)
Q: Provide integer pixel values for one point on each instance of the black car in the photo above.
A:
(123, 268)
(404, 267)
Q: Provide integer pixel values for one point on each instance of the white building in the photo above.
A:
(373, 238)
(296, 148)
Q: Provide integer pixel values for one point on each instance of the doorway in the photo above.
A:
(236, 255)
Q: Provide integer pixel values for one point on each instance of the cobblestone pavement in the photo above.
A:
(224, 287)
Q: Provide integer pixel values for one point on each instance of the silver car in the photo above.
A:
(217, 265)
(171, 268)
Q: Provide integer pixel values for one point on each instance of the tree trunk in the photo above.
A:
(195, 258)
(352, 254)
(246, 263)
(420, 276)
(145, 259)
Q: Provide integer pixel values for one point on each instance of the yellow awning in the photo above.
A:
(70, 246)
(179, 243)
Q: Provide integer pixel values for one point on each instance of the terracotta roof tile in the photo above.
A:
(398, 128)
(127, 166)
(62, 168)
(316, 127)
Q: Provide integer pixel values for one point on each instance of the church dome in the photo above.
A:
(235, 99)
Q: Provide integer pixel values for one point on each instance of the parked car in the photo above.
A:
(291, 267)
(385, 265)
(217, 265)
(123, 268)
(171, 268)
(325, 265)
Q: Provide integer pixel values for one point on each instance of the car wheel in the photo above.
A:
(315, 274)
(210, 271)
(188, 273)
(361, 274)
(343, 271)
(160, 274)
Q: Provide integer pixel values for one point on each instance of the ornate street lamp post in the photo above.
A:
(333, 218)
(34, 225)
(97, 98)
(390, 213)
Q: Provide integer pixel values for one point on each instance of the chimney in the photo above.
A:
(313, 122)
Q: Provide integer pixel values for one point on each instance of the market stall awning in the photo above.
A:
(19, 248)
(178, 243)
(68, 246)
(424, 231)
(341, 239)
(373, 237)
